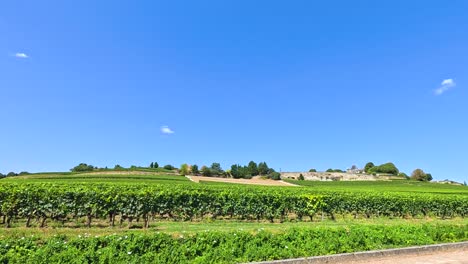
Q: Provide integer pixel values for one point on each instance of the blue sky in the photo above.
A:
(298, 84)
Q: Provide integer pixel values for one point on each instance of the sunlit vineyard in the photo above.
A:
(145, 202)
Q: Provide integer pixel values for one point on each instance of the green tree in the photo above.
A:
(155, 165)
(151, 165)
(263, 168)
(418, 175)
(235, 173)
(169, 167)
(301, 177)
(118, 167)
(368, 166)
(184, 169)
(216, 169)
(11, 174)
(205, 171)
(386, 168)
(195, 170)
(2, 175)
(428, 177)
(82, 167)
(312, 170)
(253, 168)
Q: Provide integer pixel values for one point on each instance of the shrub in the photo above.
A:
(82, 167)
(301, 177)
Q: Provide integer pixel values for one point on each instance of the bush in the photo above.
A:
(169, 167)
(11, 174)
(301, 177)
(24, 173)
(387, 168)
(312, 170)
(275, 176)
(82, 167)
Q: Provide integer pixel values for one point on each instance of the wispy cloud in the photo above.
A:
(445, 86)
(166, 130)
(21, 55)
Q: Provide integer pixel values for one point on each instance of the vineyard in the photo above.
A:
(144, 202)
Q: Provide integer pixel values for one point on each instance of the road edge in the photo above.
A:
(368, 255)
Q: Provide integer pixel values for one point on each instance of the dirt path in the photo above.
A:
(459, 256)
(266, 182)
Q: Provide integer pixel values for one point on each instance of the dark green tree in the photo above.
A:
(82, 167)
(195, 170)
(216, 169)
(428, 177)
(312, 170)
(386, 168)
(118, 167)
(235, 171)
(151, 165)
(301, 177)
(368, 166)
(205, 171)
(253, 168)
(155, 165)
(11, 174)
(2, 175)
(169, 167)
(263, 168)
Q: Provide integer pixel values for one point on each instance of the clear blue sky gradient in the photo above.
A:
(298, 84)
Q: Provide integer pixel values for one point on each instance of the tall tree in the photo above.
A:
(152, 165)
(195, 170)
(155, 165)
(263, 168)
(184, 169)
(216, 169)
(253, 168)
(368, 166)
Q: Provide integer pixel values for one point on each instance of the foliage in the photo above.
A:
(403, 175)
(195, 170)
(169, 167)
(205, 171)
(275, 176)
(224, 247)
(386, 168)
(12, 174)
(420, 175)
(184, 169)
(263, 168)
(118, 167)
(82, 167)
(155, 165)
(368, 166)
(301, 177)
(253, 168)
(312, 170)
(216, 169)
(335, 170)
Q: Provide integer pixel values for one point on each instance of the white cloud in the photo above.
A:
(445, 86)
(166, 130)
(21, 55)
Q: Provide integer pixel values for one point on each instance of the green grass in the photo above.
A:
(176, 228)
